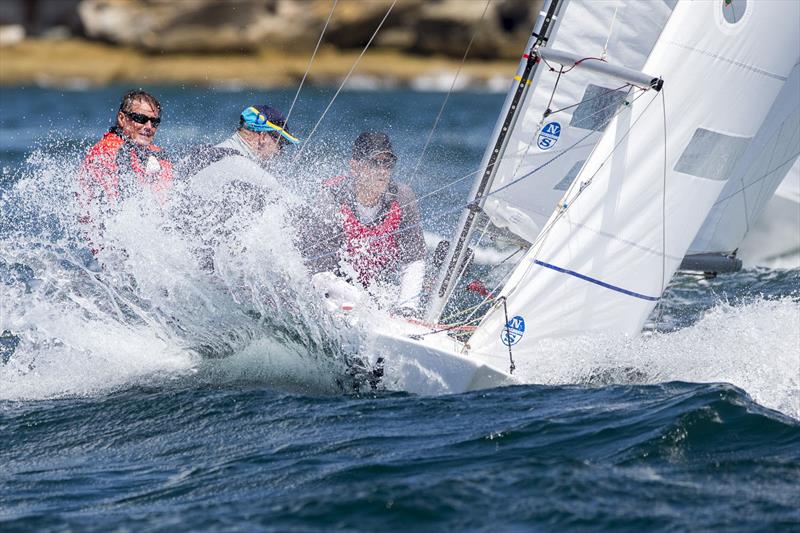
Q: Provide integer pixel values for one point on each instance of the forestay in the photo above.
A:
(630, 215)
(623, 33)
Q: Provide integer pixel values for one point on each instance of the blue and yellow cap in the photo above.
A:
(265, 119)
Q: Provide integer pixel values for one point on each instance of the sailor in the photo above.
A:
(126, 157)
(372, 233)
(124, 162)
(258, 139)
(230, 179)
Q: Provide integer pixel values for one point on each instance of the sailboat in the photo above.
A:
(674, 100)
(769, 163)
(774, 239)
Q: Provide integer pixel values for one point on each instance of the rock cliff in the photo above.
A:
(426, 27)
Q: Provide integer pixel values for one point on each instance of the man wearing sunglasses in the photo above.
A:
(373, 228)
(125, 159)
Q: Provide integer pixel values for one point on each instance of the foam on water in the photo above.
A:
(150, 312)
(144, 308)
(753, 346)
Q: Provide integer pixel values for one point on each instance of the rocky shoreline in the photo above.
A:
(80, 63)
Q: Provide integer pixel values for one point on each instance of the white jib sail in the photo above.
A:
(623, 32)
(602, 262)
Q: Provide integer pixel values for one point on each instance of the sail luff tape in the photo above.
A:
(629, 75)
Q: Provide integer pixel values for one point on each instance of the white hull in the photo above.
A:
(433, 364)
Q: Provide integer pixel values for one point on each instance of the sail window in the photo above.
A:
(711, 155)
(564, 184)
(733, 10)
(597, 107)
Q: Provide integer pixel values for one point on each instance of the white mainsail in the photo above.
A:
(763, 167)
(621, 32)
(603, 260)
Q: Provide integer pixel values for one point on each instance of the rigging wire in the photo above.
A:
(578, 62)
(610, 31)
(660, 314)
(310, 61)
(512, 366)
(344, 81)
(447, 97)
(553, 93)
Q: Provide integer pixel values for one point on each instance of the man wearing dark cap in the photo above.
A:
(230, 179)
(373, 229)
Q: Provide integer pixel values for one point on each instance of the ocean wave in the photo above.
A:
(751, 344)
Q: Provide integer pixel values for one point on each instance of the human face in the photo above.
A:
(141, 134)
(267, 146)
(371, 179)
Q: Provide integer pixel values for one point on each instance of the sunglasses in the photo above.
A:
(386, 163)
(142, 119)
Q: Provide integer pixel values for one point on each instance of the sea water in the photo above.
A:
(140, 395)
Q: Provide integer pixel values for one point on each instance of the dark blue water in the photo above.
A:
(665, 457)
(108, 427)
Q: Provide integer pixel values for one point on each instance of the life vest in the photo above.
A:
(113, 158)
(370, 249)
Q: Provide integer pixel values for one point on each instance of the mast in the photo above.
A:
(448, 276)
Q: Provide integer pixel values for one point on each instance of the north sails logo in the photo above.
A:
(548, 135)
(512, 333)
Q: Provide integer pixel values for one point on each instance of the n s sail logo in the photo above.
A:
(548, 135)
(513, 332)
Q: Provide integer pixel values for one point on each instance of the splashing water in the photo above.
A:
(145, 308)
(753, 346)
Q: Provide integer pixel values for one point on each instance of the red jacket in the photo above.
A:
(371, 248)
(114, 159)
(375, 250)
(108, 163)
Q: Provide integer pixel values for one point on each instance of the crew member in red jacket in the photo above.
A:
(125, 160)
(372, 226)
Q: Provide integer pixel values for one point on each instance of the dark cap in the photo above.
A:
(371, 144)
(264, 119)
